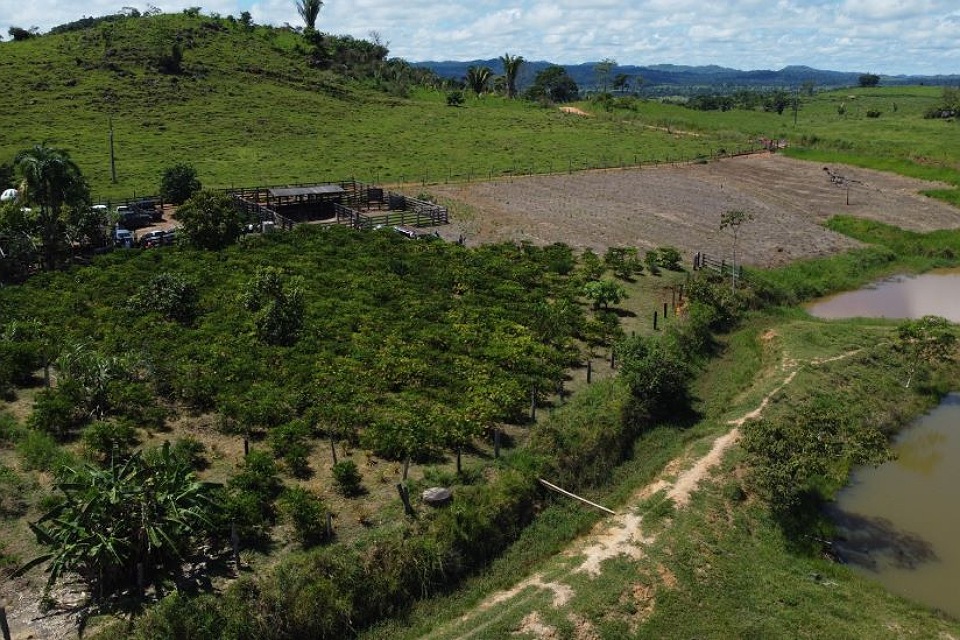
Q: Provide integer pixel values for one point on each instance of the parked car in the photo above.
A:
(150, 207)
(170, 236)
(152, 239)
(130, 217)
(122, 238)
(409, 232)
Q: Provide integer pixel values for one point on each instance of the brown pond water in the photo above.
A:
(899, 523)
(936, 293)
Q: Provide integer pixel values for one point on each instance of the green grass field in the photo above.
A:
(249, 110)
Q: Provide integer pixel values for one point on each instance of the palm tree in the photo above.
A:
(51, 180)
(511, 66)
(478, 78)
(309, 10)
(131, 522)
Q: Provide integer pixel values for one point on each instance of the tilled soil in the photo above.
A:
(681, 206)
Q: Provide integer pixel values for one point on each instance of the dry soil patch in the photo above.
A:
(681, 206)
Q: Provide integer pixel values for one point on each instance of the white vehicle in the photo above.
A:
(123, 238)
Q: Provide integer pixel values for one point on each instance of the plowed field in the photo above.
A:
(681, 206)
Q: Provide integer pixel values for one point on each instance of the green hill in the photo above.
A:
(248, 107)
(257, 105)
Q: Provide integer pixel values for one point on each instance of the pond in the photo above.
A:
(936, 293)
(898, 523)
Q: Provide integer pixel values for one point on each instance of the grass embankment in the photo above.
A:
(726, 565)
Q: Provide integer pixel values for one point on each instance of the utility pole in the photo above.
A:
(796, 106)
(113, 163)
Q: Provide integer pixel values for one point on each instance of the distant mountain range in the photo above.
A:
(671, 79)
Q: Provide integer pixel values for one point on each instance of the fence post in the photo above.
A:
(4, 627)
(589, 371)
(654, 320)
(533, 403)
(405, 498)
(235, 544)
(664, 310)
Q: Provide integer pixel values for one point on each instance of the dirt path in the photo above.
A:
(619, 535)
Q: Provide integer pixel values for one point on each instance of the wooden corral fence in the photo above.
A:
(353, 203)
(256, 211)
(703, 260)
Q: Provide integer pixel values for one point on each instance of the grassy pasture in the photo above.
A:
(249, 110)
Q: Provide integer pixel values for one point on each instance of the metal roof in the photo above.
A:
(316, 190)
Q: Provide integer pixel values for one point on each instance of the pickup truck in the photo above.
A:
(131, 217)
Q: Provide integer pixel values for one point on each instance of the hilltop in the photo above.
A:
(672, 79)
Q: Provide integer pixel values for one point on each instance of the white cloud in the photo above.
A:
(885, 36)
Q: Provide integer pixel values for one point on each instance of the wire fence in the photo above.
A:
(453, 174)
(550, 166)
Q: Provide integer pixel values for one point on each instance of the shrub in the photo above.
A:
(873, 113)
(55, 412)
(455, 98)
(178, 183)
(290, 442)
(584, 440)
(190, 452)
(10, 431)
(13, 490)
(104, 440)
(658, 377)
(306, 512)
(38, 451)
(652, 260)
(18, 361)
(347, 478)
(170, 295)
(251, 494)
(671, 258)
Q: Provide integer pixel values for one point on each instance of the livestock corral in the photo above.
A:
(681, 205)
(357, 204)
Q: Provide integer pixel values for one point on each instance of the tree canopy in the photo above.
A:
(210, 220)
(51, 180)
(309, 10)
(553, 84)
(511, 67)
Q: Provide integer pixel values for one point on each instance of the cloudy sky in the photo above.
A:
(878, 36)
